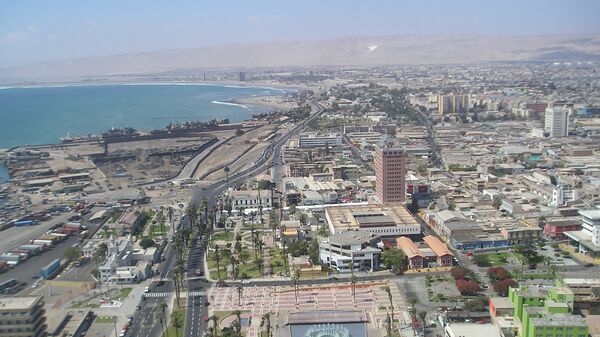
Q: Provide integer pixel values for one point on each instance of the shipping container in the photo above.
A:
(33, 249)
(51, 269)
(46, 243)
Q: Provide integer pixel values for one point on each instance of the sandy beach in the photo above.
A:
(274, 102)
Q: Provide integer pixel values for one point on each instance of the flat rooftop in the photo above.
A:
(350, 217)
(18, 302)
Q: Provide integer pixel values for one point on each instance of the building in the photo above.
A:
(250, 198)
(22, 316)
(544, 312)
(315, 140)
(390, 173)
(387, 221)
(471, 330)
(430, 253)
(351, 250)
(453, 103)
(556, 121)
(555, 228)
(242, 76)
(587, 240)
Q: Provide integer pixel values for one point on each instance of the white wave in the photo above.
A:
(230, 103)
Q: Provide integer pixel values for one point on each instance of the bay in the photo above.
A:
(41, 115)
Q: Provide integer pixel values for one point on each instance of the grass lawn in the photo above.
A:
(179, 315)
(547, 276)
(250, 270)
(493, 259)
(106, 319)
(223, 236)
(276, 261)
(123, 293)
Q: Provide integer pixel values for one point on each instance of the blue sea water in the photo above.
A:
(41, 115)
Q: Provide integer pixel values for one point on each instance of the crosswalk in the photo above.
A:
(183, 294)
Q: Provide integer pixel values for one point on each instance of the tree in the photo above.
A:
(215, 320)
(501, 286)
(389, 294)
(422, 315)
(163, 317)
(227, 169)
(266, 322)
(295, 282)
(72, 253)
(412, 301)
(177, 323)
(240, 291)
(477, 304)
(146, 243)
(497, 273)
(467, 287)
(497, 202)
(459, 272)
(394, 260)
(218, 261)
(353, 283)
(238, 325)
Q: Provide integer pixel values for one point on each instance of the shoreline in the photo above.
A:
(230, 84)
(241, 102)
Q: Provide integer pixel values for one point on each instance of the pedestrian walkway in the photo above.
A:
(183, 295)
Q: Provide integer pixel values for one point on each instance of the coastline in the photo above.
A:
(270, 102)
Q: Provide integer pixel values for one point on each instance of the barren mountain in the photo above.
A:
(361, 51)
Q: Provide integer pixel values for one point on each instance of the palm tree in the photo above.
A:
(227, 169)
(240, 291)
(159, 317)
(388, 325)
(233, 262)
(389, 294)
(238, 325)
(218, 260)
(353, 283)
(423, 315)
(215, 321)
(296, 281)
(266, 321)
(177, 324)
(210, 331)
(163, 309)
(285, 256)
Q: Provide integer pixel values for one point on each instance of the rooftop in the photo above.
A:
(352, 237)
(18, 302)
(348, 217)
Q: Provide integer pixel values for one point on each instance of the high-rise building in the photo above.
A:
(556, 122)
(242, 76)
(453, 103)
(22, 316)
(390, 172)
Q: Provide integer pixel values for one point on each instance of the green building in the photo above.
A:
(546, 312)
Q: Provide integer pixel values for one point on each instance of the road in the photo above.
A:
(145, 323)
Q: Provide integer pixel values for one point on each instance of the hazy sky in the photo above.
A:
(32, 31)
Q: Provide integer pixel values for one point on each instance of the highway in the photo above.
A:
(145, 322)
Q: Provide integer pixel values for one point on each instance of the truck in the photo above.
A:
(25, 254)
(49, 271)
(3, 266)
(11, 259)
(42, 242)
(33, 249)
(22, 223)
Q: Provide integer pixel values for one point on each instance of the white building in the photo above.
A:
(363, 248)
(314, 140)
(591, 224)
(251, 198)
(563, 194)
(556, 122)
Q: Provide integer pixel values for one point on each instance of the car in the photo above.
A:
(206, 318)
(122, 334)
(143, 297)
(206, 304)
(138, 307)
(129, 319)
(246, 281)
(147, 289)
(588, 265)
(199, 272)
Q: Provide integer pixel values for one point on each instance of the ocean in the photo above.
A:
(41, 115)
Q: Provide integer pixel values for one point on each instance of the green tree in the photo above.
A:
(497, 202)
(394, 260)
(266, 322)
(388, 291)
(72, 253)
(146, 243)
